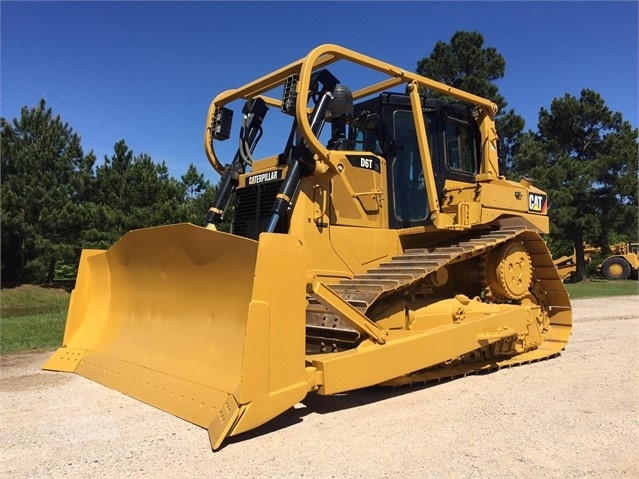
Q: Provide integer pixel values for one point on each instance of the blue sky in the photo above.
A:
(146, 72)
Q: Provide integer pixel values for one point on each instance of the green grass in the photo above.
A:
(601, 288)
(39, 331)
(32, 317)
(29, 299)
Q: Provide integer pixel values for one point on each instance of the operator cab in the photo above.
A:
(385, 126)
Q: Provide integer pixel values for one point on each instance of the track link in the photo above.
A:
(414, 266)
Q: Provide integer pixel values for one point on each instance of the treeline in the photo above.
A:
(57, 200)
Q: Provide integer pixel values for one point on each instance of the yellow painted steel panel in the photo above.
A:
(64, 359)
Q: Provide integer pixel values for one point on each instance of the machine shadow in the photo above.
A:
(315, 403)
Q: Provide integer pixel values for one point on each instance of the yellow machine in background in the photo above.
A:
(566, 266)
(622, 263)
(380, 246)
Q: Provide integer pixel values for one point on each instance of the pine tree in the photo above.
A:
(45, 180)
(585, 157)
(134, 192)
(466, 64)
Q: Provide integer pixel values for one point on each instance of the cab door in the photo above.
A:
(408, 205)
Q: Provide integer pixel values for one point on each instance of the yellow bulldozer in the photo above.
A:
(380, 245)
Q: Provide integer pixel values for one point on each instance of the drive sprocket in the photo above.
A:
(507, 272)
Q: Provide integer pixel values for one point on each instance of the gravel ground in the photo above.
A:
(575, 416)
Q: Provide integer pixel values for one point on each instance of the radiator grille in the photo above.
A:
(253, 210)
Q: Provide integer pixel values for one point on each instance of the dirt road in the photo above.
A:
(575, 416)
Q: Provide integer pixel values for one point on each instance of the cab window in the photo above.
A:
(366, 137)
(461, 150)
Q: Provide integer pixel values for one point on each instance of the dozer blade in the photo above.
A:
(202, 324)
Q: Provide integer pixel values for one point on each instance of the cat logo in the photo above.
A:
(537, 203)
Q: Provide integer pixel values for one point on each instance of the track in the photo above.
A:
(415, 266)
